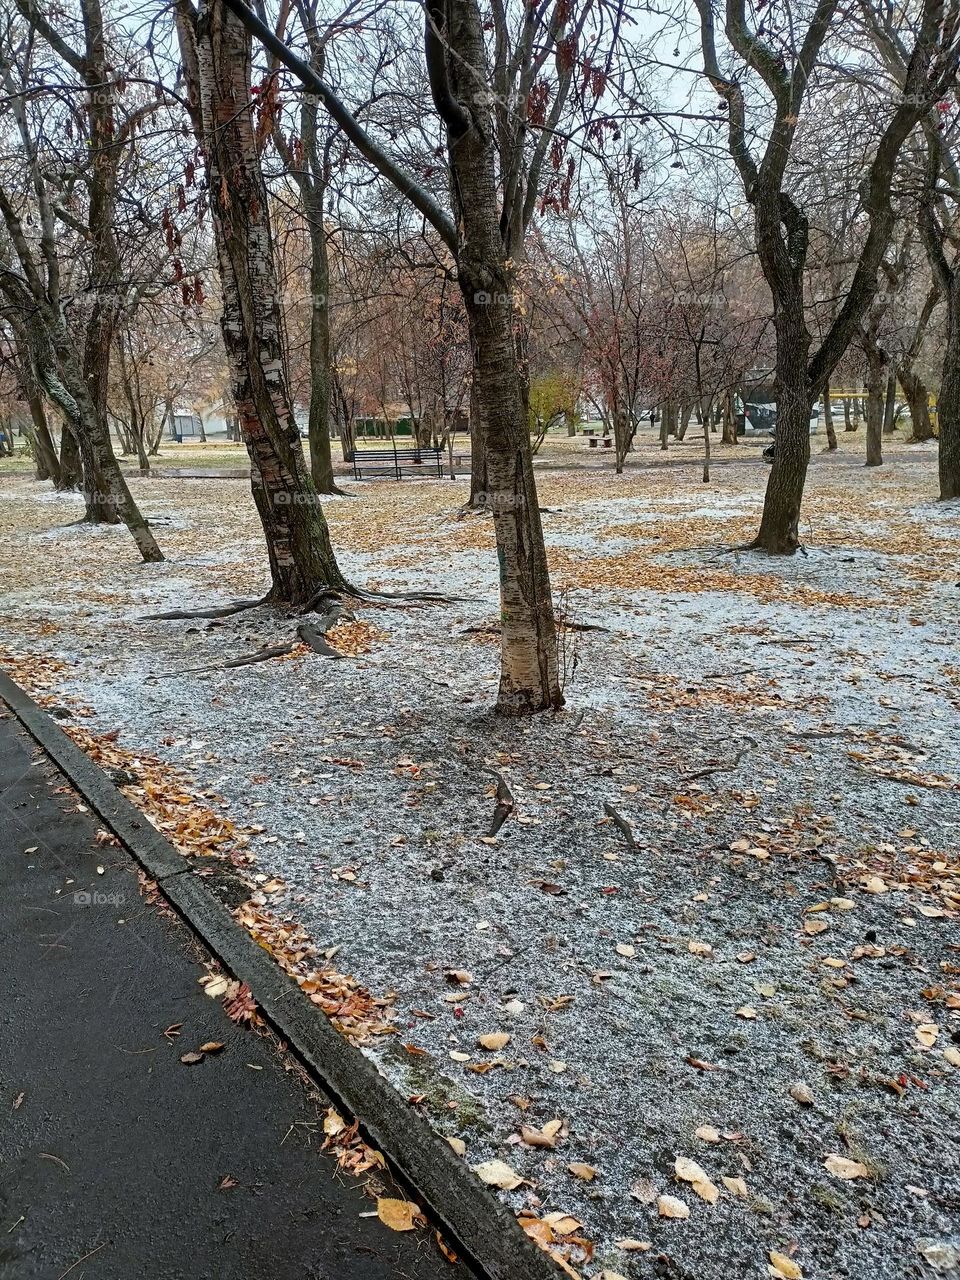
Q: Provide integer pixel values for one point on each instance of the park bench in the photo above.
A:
(395, 461)
(595, 441)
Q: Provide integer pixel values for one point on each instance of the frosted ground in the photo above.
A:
(721, 920)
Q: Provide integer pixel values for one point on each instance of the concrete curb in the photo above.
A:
(476, 1224)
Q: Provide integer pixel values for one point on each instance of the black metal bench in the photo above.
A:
(395, 461)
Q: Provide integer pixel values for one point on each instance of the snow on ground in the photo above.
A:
(721, 922)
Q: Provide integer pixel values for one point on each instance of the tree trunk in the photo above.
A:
(45, 454)
(217, 60)
(529, 668)
(729, 435)
(828, 420)
(623, 432)
(876, 389)
(70, 469)
(848, 423)
(890, 405)
(948, 401)
(318, 423)
(921, 427)
(780, 524)
(685, 414)
(478, 499)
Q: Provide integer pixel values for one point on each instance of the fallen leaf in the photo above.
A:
(398, 1215)
(700, 948)
(212, 1046)
(842, 1167)
(630, 1245)
(672, 1207)
(873, 884)
(781, 1265)
(585, 1172)
(496, 1173)
(495, 1040)
(189, 1059)
(927, 1034)
(689, 1171)
(952, 1055)
(625, 949)
(800, 1092)
(735, 1185)
(747, 1011)
(707, 1133)
(458, 1145)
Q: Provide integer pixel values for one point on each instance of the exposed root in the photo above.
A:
(623, 826)
(505, 803)
(222, 611)
(752, 745)
(261, 655)
(315, 637)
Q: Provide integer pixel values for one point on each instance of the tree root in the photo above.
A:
(223, 611)
(752, 745)
(505, 803)
(619, 821)
(261, 655)
(315, 637)
(494, 628)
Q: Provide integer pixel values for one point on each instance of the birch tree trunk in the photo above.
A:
(216, 51)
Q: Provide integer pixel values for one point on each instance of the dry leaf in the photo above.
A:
(212, 1046)
(190, 1059)
(700, 948)
(625, 949)
(927, 1034)
(952, 1055)
(707, 1133)
(398, 1215)
(800, 1092)
(842, 1167)
(459, 1146)
(630, 1245)
(495, 1040)
(672, 1207)
(735, 1185)
(689, 1171)
(747, 1011)
(496, 1173)
(781, 1265)
(586, 1172)
(815, 926)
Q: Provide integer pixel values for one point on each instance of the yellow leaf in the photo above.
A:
(841, 1167)
(586, 1172)
(927, 1034)
(496, 1173)
(689, 1171)
(398, 1215)
(735, 1185)
(458, 1145)
(781, 1265)
(495, 1040)
(952, 1055)
(672, 1207)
